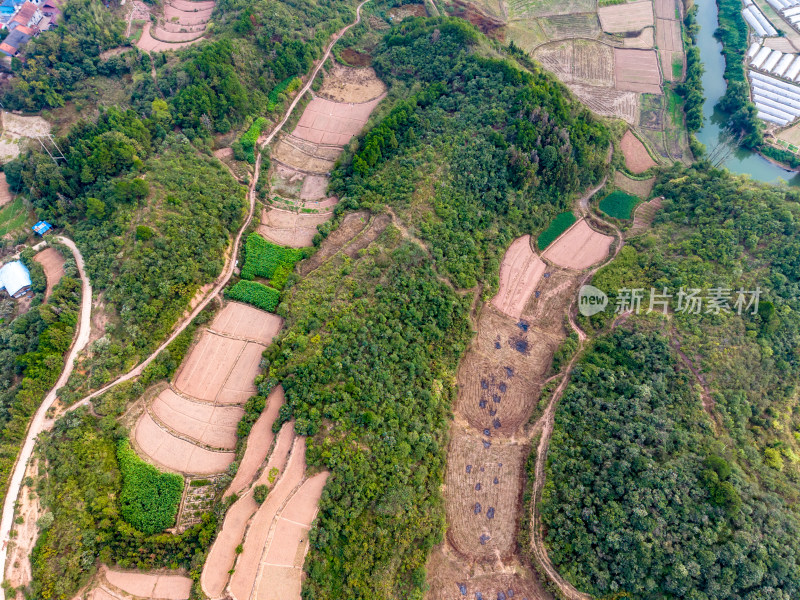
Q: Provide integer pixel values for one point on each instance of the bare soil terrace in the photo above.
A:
(53, 264)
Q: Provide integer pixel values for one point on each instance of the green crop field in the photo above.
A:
(12, 217)
(619, 204)
(257, 294)
(273, 262)
(149, 499)
(558, 226)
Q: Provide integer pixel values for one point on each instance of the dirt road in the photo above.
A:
(40, 421)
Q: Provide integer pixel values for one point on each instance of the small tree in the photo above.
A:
(260, 493)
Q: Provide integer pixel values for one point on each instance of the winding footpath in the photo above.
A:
(40, 421)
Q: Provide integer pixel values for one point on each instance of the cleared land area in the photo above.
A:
(579, 248)
(645, 39)
(16, 131)
(670, 46)
(609, 102)
(585, 25)
(191, 427)
(643, 217)
(246, 570)
(622, 18)
(259, 441)
(53, 264)
(519, 274)
(637, 187)
(222, 556)
(666, 9)
(637, 70)
(182, 24)
(790, 135)
(246, 322)
(281, 570)
(546, 8)
(172, 453)
(147, 585)
(483, 490)
(303, 160)
(5, 192)
(345, 84)
(333, 123)
(637, 158)
(206, 424)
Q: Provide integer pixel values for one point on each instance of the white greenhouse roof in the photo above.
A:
(14, 277)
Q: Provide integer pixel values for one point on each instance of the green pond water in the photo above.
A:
(739, 161)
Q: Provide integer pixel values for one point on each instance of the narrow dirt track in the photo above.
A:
(40, 421)
(545, 426)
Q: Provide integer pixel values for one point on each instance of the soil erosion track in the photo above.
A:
(40, 423)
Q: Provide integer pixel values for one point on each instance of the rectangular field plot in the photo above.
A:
(243, 321)
(547, 8)
(667, 9)
(593, 63)
(637, 71)
(214, 371)
(621, 18)
(670, 48)
(609, 102)
(584, 25)
(644, 40)
(332, 123)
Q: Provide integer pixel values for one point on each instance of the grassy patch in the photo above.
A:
(149, 499)
(257, 294)
(677, 67)
(619, 204)
(12, 217)
(558, 226)
(264, 259)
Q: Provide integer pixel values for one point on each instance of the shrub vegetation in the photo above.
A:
(257, 294)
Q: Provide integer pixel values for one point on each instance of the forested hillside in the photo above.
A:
(152, 215)
(372, 342)
(646, 493)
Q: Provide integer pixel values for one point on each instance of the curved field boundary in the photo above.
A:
(222, 555)
(158, 586)
(643, 217)
(53, 264)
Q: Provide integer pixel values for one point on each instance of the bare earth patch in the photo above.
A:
(520, 271)
(16, 130)
(5, 192)
(644, 40)
(18, 564)
(206, 424)
(53, 264)
(637, 158)
(637, 187)
(621, 18)
(246, 322)
(643, 217)
(150, 585)
(609, 102)
(222, 555)
(346, 84)
(637, 70)
(579, 247)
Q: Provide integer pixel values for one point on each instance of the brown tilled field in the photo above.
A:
(296, 230)
(644, 40)
(258, 443)
(584, 25)
(333, 123)
(622, 18)
(222, 555)
(580, 61)
(670, 45)
(483, 494)
(520, 271)
(447, 581)
(281, 568)
(346, 84)
(637, 70)
(637, 158)
(206, 424)
(53, 264)
(149, 585)
(637, 187)
(248, 562)
(609, 102)
(246, 322)
(643, 217)
(593, 63)
(579, 247)
(176, 454)
(666, 9)
(220, 369)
